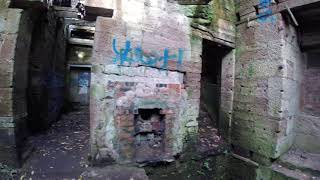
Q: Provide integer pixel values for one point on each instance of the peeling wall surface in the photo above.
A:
(144, 58)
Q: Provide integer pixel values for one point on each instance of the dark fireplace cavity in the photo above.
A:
(149, 135)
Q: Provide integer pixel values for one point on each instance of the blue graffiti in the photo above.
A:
(84, 79)
(131, 55)
(266, 15)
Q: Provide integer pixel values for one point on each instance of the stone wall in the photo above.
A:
(15, 37)
(46, 71)
(4, 3)
(308, 123)
(144, 58)
(267, 81)
(215, 21)
(32, 76)
(227, 94)
(311, 91)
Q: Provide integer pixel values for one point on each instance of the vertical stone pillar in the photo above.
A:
(15, 35)
(266, 84)
(227, 90)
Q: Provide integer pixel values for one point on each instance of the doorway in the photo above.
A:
(212, 56)
(79, 84)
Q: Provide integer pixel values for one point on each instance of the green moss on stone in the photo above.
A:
(251, 71)
(97, 91)
(4, 3)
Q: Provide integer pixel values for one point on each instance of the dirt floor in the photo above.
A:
(62, 152)
(210, 141)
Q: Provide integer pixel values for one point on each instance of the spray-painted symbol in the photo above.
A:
(265, 14)
(129, 55)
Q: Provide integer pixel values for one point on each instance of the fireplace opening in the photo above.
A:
(149, 135)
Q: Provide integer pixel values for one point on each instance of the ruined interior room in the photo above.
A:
(160, 89)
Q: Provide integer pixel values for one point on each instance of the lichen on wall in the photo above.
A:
(268, 74)
(217, 17)
(143, 59)
(4, 3)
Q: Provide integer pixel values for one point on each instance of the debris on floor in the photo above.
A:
(62, 152)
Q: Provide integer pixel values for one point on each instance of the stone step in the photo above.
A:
(281, 172)
(303, 161)
(115, 172)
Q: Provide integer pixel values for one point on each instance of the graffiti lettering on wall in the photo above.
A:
(130, 55)
(266, 12)
(83, 82)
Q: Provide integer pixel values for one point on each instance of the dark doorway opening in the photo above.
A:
(79, 85)
(212, 55)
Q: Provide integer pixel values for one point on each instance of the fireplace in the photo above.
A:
(145, 118)
(149, 135)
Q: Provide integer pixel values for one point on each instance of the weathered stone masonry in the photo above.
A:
(266, 83)
(142, 63)
(31, 77)
(15, 37)
(146, 66)
(271, 80)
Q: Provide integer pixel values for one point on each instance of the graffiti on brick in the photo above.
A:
(265, 16)
(136, 55)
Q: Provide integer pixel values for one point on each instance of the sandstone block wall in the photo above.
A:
(227, 94)
(15, 37)
(46, 71)
(4, 3)
(267, 85)
(308, 124)
(145, 57)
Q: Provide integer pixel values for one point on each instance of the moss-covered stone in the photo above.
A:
(97, 91)
(4, 3)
